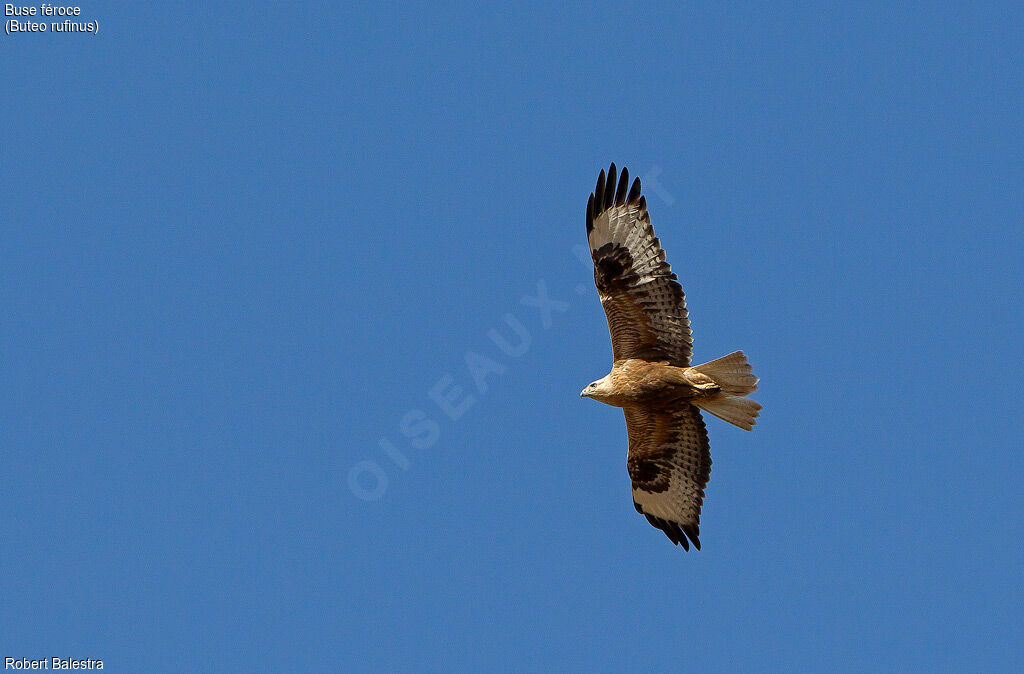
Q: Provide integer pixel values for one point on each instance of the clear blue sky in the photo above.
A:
(241, 245)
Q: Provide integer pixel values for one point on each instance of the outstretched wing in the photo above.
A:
(644, 304)
(669, 462)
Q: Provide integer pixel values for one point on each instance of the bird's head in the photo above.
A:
(596, 389)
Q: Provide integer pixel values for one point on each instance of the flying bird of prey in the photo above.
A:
(651, 379)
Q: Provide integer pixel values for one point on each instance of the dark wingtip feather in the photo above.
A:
(693, 531)
(676, 533)
(609, 188)
(614, 189)
(620, 194)
(590, 213)
(634, 191)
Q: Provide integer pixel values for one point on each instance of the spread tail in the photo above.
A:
(735, 377)
(740, 412)
(732, 373)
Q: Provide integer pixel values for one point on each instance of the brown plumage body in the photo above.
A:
(635, 382)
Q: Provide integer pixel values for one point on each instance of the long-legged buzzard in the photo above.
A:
(669, 459)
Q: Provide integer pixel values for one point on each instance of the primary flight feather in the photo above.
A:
(651, 379)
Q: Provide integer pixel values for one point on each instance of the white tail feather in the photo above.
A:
(740, 412)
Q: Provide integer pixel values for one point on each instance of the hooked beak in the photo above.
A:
(583, 394)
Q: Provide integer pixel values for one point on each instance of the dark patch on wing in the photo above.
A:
(649, 471)
(613, 268)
